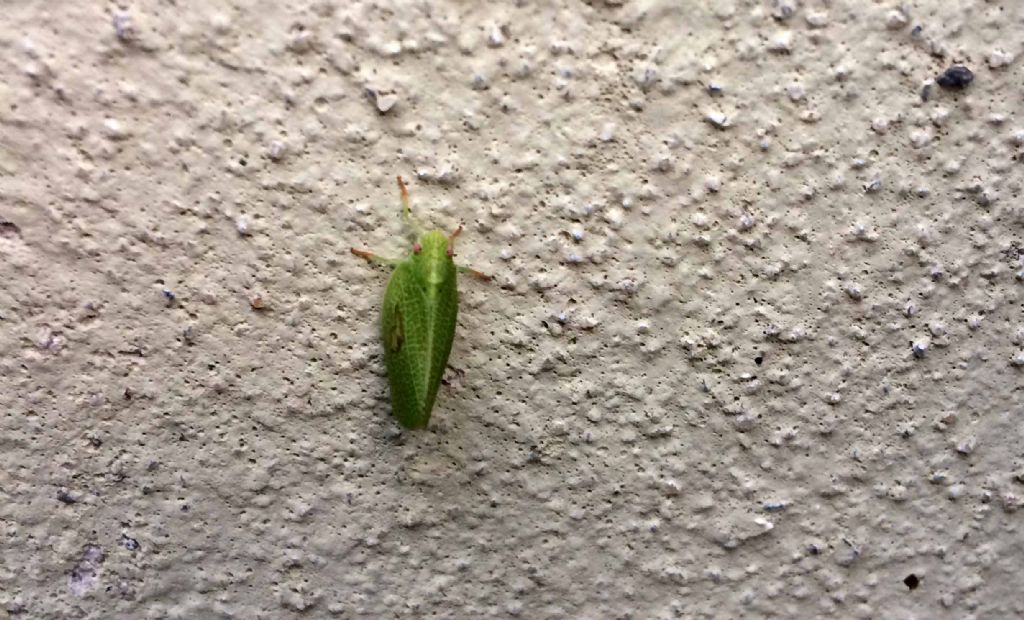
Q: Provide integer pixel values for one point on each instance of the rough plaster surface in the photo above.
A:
(754, 346)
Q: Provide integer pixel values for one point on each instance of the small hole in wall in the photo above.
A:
(912, 581)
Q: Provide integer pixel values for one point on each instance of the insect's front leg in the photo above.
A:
(473, 272)
(462, 268)
(374, 258)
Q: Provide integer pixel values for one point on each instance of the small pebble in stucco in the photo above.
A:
(129, 543)
(718, 119)
(123, 28)
(114, 129)
(957, 77)
(276, 151)
(84, 577)
(919, 349)
(967, 445)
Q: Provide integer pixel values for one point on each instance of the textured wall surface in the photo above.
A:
(754, 345)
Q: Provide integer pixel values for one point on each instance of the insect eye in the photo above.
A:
(417, 248)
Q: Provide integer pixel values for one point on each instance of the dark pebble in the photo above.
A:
(955, 77)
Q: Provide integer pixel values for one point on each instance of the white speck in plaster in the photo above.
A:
(998, 59)
(896, 19)
(796, 92)
(920, 138)
(848, 554)
(646, 77)
(84, 577)
(479, 82)
(854, 291)
(392, 48)
(782, 42)
(276, 151)
(242, 225)
(817, 19)
(221, 23)
(920, 349)
(385, 103)
(114, 130)
(718, 119)
(1011, 502)
(862, 233)
(614, 218)
(123, 26)
(496, 37)
(967, 445)
(1018, 360)
(939, 116)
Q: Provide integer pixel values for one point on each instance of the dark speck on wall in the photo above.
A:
(912, 581)
(956, 77)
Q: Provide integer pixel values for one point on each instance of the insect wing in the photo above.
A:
(402, 335)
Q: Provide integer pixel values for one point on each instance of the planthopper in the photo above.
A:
(417, 319)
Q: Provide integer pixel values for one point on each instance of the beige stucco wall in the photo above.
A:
(718, 231)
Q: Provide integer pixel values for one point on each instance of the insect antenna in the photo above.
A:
(406, 211)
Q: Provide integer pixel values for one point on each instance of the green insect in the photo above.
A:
(417, 323)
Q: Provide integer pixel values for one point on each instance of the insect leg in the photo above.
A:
(462, 268)
(473, 272)
(373, 258)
